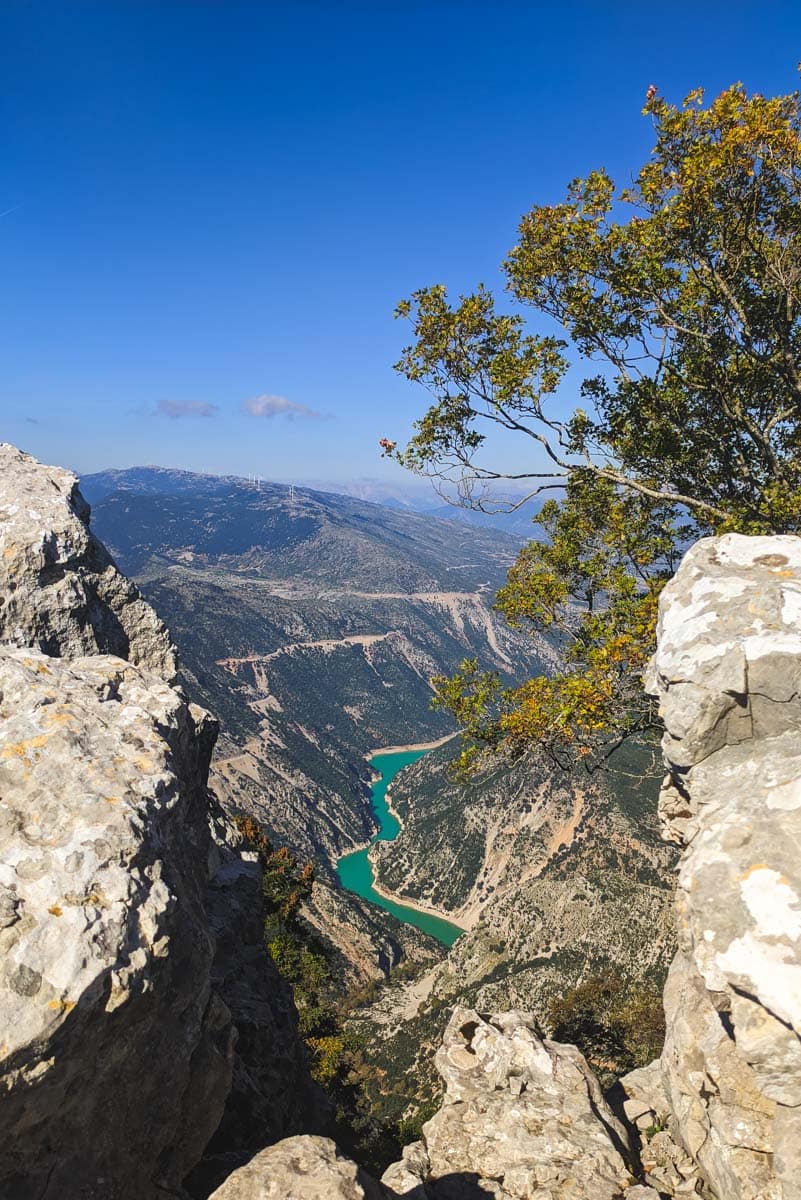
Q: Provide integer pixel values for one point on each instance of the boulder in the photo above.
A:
(300, 1168)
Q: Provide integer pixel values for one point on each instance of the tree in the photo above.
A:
(680, 295)
(616, 1025)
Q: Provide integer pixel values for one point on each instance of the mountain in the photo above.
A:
(418, 499)
(557, 878)
(275, 531)
(424, 499)
(311, 624)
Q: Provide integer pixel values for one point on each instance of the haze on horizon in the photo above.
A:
(208, 212)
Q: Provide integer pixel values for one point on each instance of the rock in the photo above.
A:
(300, 1168)
(522, 1117)
(646, 1104)
(272, 1094)
(115, 1054)
(728, 675)
(60, 591)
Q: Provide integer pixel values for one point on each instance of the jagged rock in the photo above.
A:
(300, 1168)
(115, 1054)
(60, 591)
(522, 1117)
(728, 675)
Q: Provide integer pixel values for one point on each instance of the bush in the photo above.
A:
(617, 1025)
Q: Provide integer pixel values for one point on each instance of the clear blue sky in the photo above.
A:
(216, 201)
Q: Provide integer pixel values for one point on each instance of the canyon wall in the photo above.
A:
(728, 675)
(138, 1010)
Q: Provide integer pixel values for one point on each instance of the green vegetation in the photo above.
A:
(369, 1130)
(618, 1025)
(681, 296)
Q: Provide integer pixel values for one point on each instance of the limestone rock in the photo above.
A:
(521, 1118)
(60, 591)
(300, 1168)
(728, 675)
(115, 1054)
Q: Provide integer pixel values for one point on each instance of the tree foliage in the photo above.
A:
(680, 297)
(616, 1026)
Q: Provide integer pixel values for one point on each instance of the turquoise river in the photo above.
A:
(355, 870)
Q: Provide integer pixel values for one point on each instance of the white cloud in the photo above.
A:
(277, 406)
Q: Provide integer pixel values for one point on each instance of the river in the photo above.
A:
(355, 870)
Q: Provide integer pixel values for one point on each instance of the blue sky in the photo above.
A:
(216, 204)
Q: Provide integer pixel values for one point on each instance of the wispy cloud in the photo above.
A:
(279, 406)
(185, 408)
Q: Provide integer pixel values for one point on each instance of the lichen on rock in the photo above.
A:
(116, 1054)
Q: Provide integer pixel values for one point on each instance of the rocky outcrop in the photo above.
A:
(728, 675)
(129, 919)
(116, 1054)
(60, 591)
(522, 1117)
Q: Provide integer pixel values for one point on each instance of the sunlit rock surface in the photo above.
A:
(728, 676)
(521, 1117)
(115, 1054)
(300, 1168)
(60, 591)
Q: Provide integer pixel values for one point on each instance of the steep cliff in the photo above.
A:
(129, 929)
(728, 674)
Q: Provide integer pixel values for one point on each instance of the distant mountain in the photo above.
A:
(311, 624)
(425, 500)
(274, 531)
(410, 499)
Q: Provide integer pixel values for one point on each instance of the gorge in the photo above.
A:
(136, 994)
(355, 870)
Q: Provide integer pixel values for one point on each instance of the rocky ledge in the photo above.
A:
(130, 937)
(522, 1116)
